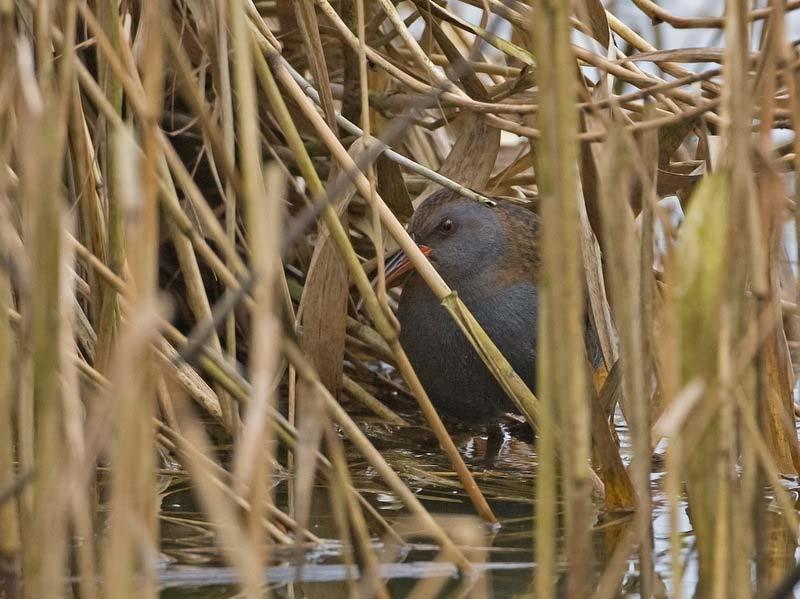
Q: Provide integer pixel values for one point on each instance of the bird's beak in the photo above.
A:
(398, 264)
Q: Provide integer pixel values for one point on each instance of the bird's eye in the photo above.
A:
(446, 225)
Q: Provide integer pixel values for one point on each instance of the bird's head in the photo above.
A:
(461, 237)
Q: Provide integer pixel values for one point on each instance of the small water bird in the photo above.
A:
(489, 255)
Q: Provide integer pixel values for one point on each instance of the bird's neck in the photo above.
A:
(481, 291)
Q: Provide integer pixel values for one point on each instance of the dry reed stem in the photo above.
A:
(236, 542)
(10, 541)
(226, 92)
(44, 213)
(560, 369)
(112, 90)
(134, 529)
(131, 538)
(620, 234)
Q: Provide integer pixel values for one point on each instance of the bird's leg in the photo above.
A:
(495, 439)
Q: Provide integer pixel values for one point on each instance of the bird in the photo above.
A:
(488, 253)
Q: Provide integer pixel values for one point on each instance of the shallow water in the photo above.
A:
(193, 566)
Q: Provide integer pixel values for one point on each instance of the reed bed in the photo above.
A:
(196, 202)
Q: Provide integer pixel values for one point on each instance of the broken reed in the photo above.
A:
(209, 132)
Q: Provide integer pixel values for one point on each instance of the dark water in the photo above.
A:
(193, 566)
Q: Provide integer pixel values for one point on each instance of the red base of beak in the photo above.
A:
(398, 264)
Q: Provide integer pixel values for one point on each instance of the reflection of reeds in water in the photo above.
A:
(211, 151)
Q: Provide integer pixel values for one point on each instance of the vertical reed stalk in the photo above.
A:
(134, 505)
(43, 117)
(252, 472)
(229, 138)
(252, 465)
(701, 260)
(377, 231)
(236, 544)
(107, 14)
(621, 243)
(560, 370)
(10, 541)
